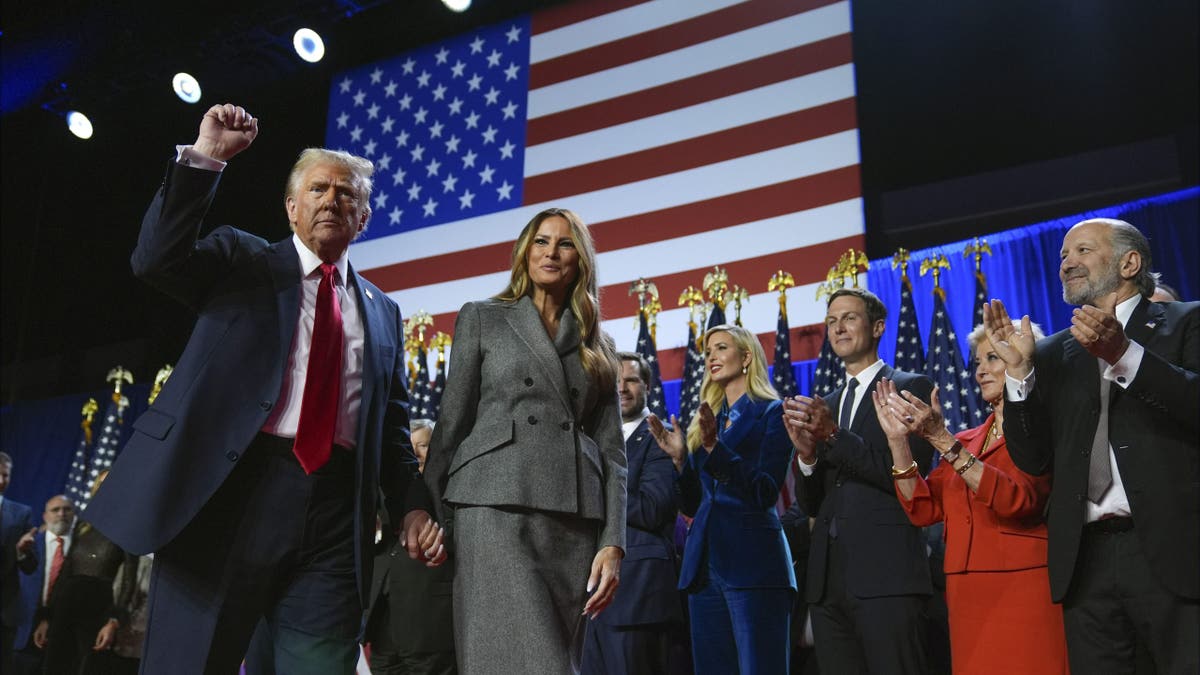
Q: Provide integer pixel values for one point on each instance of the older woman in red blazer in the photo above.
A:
(997, 588)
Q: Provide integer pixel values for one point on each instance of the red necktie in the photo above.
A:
(56, 564)
(323, 382)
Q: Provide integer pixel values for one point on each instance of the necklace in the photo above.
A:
(995, 433)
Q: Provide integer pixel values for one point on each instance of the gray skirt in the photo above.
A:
(519, 588)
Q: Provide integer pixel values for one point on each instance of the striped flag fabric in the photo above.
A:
(687, 133)
(436, 389)
(783, 377)
(655, 400)
(693, 376)
(944, 365)
(77, 488)
(910, 355)
(104, 453)
(830, 371)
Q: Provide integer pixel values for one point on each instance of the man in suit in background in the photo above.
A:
(255, 475)
(868, 574)
(410, 621)
(41, 557)
(797, 529)
(634, 634)
(16, 520)
(1109, 405)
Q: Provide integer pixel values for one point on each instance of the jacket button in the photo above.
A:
(532, 419)
(265, 405)
(231, 456)
(1080, 497)
(837, 483)
(566, 426)
(1085, 452)
(529, 382)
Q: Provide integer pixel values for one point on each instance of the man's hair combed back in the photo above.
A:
(1125, 238)
(875, 309)
(642, 365)
(5, 459)
(360, 167)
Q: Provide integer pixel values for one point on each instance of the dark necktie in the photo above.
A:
(323, 381)
(56, 564)
(1099, 469)
(847, 405)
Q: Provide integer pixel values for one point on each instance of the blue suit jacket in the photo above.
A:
(31, 590)
(732, 492)
(246, 292)
(647, 593)
(15, 520)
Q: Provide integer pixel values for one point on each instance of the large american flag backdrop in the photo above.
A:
(686, 133)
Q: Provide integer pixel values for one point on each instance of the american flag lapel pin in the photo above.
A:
(370, 295)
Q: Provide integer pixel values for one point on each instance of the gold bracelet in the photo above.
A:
(909, 472)
(966, 465)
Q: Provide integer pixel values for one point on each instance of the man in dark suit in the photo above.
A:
(410, 621)
(16, 520)
(868, 575)
(634, 634)
(255, 474)
(37, 553)
(796, 528)
(1110, 406)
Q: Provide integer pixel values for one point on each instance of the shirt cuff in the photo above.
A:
(188, 156)
(807, 469)
(1126, 368)
(1018, 390)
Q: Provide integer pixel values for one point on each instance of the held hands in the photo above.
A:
(1098, 331)
(423, 538)
(106, 637)
(604, 579)
(670, 440)
(1014, 346)
(225, 131)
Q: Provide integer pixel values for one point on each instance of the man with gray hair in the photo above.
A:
(1109, 405)
(255, 475)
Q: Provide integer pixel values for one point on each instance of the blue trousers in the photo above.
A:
(739, 630)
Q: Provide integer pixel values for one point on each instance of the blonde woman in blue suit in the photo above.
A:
(736, 566)
(527, 461)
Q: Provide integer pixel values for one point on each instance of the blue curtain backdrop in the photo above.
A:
(42, 436)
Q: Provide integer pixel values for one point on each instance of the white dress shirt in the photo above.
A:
(627, 428)
(864, 377)
(51, 544)
(1115, 501)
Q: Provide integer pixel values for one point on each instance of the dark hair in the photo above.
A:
(642, 365)
(875, 309)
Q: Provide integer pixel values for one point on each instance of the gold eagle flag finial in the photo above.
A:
(89, 413)
(693, 299)
(936, 264)
(715, 284)
(900, 259)
(977, 248)
(781, 281)
(118, 376)
(160, 378)
(739, 295)
(850, 265)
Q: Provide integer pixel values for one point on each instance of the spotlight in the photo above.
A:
(186, 87)
(457, 5)
(79, 124)
(308, 45)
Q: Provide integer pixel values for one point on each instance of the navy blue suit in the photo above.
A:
(868, 574)
(631, 635)
(15, 520)
(31, 581)
(203, 426)
(736, 564)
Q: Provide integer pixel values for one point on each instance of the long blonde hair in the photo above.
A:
(595, 349)
(758, 385)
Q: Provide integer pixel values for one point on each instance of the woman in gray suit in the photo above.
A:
(527, 462)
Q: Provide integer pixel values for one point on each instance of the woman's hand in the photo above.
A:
(708, 427)
(604, 579)
(891, 420)
(670, 440)
(926, 421)
(106, 637)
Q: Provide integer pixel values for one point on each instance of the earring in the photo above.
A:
(745, 370)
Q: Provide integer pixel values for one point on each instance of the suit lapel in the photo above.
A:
(525, 322)
(1143, 323)
(284, 266)
(371, 318)
(737, 431)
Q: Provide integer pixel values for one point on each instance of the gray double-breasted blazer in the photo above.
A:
(522, 425)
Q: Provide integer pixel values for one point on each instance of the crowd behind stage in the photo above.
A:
(549, 523)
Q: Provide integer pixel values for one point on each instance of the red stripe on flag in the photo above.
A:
(710, 214)
(573, 12)
(802, 125)
(666, 39)
(810, 58)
